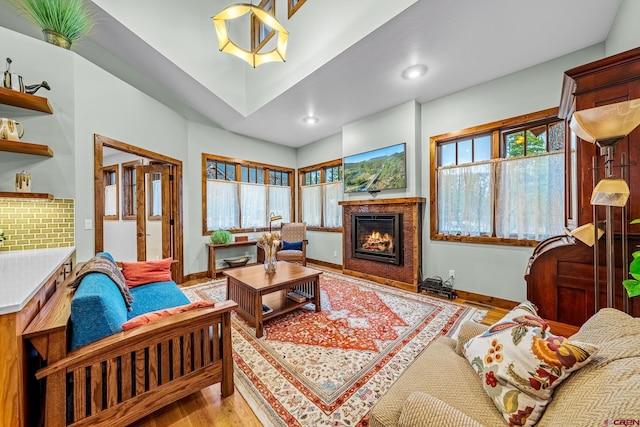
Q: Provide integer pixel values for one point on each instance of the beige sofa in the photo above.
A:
(441, 388)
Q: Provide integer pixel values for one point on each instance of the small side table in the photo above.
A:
(212, 272)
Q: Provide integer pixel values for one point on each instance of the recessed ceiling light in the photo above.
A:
(311, 120)
(414, 71)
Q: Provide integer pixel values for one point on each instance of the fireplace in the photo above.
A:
(377, 237)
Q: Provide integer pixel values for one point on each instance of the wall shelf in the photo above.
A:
(25, 148)
(25, 100)
(26, 196)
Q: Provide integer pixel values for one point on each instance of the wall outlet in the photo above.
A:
(335, 254)
(452, 274)
(88, 224)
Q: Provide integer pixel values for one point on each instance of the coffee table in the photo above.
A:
(247, 285)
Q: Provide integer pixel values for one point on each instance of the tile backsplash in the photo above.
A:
(37, 225)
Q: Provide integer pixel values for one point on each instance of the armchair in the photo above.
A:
(294, 243)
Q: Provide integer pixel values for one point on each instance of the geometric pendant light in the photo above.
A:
(254, 59)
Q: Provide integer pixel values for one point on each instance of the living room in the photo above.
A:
(88, 100)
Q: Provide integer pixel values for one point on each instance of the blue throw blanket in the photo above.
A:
(104, 265)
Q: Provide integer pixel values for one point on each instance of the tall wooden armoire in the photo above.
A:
(560, 275)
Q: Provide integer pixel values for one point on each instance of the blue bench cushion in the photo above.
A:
(156, 296)
(97, 310)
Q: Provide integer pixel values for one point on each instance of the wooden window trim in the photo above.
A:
(294, 8)
(106, 171)
(128, 195)
(256, 43)
(322, 167)
(494, 128)
(239, 163)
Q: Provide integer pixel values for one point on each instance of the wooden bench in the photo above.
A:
(126, 376)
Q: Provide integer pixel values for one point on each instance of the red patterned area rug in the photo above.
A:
(330, 368)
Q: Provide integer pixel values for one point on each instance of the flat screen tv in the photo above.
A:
(376, 170)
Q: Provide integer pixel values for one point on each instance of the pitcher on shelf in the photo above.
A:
(11, 130)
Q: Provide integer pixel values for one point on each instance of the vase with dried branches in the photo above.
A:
(269, 243)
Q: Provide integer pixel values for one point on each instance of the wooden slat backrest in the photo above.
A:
(111, 367)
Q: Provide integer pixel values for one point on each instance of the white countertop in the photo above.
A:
(23, 273)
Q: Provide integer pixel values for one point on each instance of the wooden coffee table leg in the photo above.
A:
(316, 293)
(258, 314)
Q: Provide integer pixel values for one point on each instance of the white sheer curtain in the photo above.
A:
(280, 203)
(465, 200)
(312, 205)
(110, 200)
(253, 204)
(530, 197)
(156, 208)
(332, 210)
(222, 205)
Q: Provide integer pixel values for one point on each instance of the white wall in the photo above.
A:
(107, 106)
(490, 269)
(625, 31)
(390, 127)
(323, 246)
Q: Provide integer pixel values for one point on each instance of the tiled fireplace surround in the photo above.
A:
(407, 274)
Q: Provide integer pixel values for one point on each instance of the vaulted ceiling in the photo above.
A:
(344, 59)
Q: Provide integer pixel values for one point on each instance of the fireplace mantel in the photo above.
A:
(405, 276)
(406, 200)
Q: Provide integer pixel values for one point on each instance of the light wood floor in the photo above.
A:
(207, 409)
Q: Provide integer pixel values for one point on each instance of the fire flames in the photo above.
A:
(378, 242)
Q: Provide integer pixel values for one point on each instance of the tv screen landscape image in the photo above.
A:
(372, 171)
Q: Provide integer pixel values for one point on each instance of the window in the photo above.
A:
(155, 196)
(294, 5)
(260, 32)
(129, 189)
(240, 195)
(501, 182)
(110, 183)
(320, 191)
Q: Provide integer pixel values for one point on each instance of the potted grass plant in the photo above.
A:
(62, 21)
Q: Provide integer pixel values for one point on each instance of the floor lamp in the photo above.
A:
(606, 126)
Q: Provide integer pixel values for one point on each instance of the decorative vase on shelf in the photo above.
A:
(56, 38)
(23, 182)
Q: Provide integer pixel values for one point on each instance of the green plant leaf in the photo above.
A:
(634, 268)
(635, 221)
(636, 254)
(632, 287)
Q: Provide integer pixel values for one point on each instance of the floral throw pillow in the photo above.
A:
(519, 363)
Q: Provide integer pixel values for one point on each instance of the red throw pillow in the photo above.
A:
(143, 319)
(143, 272)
